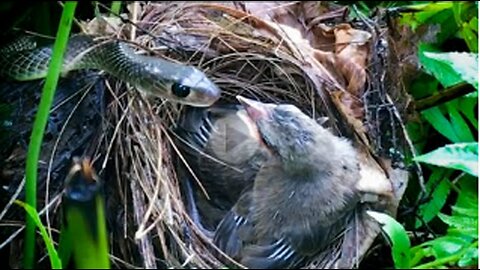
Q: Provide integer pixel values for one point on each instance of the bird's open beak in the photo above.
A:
(255, 110)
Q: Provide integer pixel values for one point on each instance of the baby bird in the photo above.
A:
(220, 147)
(301, 197)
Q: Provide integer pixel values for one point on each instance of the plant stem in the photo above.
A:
(116, 6)
(452, 258)
(39, 125)
(444, 95)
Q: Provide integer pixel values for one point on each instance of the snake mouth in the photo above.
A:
(204, 92)
(201, 99)
(211, 95)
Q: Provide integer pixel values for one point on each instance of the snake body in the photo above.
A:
(177, 82)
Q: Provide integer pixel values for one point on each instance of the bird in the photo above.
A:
(219, 146)
(301, 197)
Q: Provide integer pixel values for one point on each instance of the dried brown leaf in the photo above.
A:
(352, 50)
(348, 106)
(283, 13)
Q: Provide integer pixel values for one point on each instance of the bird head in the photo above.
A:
(285, 131)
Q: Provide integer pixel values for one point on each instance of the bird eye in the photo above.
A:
(180, 90)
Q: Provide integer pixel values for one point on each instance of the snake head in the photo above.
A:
(195, 89)
(180, 83)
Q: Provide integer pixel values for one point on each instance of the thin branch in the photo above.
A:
(443, 96)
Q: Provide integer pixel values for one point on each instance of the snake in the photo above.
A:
(22, 60)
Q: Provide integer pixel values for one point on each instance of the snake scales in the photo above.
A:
(176, 82)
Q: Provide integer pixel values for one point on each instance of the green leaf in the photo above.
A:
(425, 85)
(451, 68)
(467, 106)
(116, 6)
(447, 27)
(424, 13)
(461, 156)
(418, 253)
(437, 6)
(472, 95)
(466, 206)
(457, 12)
(465, 13)
(470, 37)
(473, 24)
(468, 195)
(88, 224)
(464, 219)
(398, 237)
(467, 225)
(439, 196)
(459, 125)
(468, 235)
(446, 246)
(417, 133)
(465, 212)
(52, 253)
(65, 245)
(470, 258)
(440, 123)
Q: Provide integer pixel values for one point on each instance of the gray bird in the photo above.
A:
(302, 196)
(220, 147)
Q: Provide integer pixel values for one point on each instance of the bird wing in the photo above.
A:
(203, 140)
(194, 127)
(235, 228)
(292, 249)
(280, 254)
(197, 124)
(235, 236)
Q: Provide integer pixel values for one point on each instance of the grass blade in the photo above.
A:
(398, 237)
(116, 6)
(83, 224)
(90, 250)
(40, 123)
(52, 253)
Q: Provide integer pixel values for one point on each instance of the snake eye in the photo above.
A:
(180, 90)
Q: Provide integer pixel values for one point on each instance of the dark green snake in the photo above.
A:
(158, 77)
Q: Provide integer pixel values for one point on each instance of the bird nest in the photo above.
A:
(307, 54)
